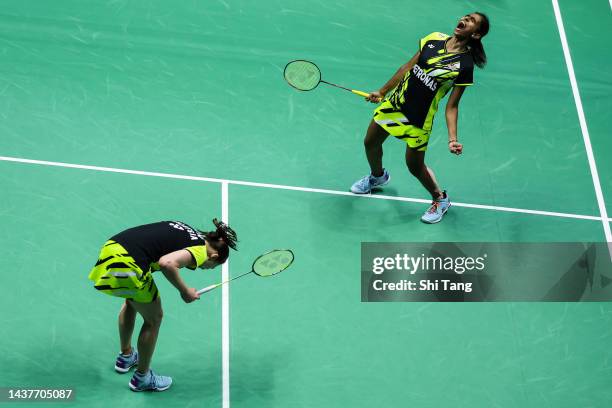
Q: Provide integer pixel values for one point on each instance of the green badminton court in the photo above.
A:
(121, 113)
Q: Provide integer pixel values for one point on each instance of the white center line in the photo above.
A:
(225, 352)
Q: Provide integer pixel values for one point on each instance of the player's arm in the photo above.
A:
(170, 264)
(452, 111)
(377, 96)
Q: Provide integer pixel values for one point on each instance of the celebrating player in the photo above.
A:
(441, 64)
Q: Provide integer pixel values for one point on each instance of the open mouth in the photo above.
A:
(461, 25)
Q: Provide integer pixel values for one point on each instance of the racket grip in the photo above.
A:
(364, 94)
(207, 289)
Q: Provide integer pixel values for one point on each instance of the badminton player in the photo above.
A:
(125, 269)
(442, 64)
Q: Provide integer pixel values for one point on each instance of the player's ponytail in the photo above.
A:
(221, 239)
(475, 45)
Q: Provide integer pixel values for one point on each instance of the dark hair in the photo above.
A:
(221, 239)
(475, 45)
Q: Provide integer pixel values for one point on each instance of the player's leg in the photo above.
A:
(144, 379)
(373, 144)
(152, 315)
(415, 160)
(127, 319)
(373, 141)
(128, 357)
(114, 261)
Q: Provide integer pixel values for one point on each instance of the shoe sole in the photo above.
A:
(370, 192)
(435, 222)
(136, 389)
(125, 370)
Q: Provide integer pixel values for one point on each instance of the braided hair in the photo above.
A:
(221, 239)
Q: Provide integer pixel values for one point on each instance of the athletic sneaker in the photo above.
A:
(367, 183)
(437, 210)
(124, 363)
(149, 382)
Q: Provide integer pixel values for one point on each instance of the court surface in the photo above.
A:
(122, 113)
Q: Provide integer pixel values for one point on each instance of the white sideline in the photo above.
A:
(583, 125)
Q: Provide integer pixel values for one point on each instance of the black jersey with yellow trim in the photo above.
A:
(147, 243)
(422, 88)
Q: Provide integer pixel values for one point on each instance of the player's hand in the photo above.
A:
(455, 147)
(190, 295)
(375, 97)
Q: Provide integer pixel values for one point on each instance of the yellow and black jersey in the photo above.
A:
(147, 243)
(436, 72)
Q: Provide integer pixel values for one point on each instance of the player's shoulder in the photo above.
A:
(467, 61)
(435, 36)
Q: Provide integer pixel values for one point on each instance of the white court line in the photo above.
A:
(225, 352)
(583, 125)
(294, 188)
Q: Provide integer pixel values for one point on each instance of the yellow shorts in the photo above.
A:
(396, 124)
(117, 274)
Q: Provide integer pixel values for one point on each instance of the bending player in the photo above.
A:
(125, 269)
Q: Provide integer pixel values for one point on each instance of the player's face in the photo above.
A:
(468, 26)
(209, 264)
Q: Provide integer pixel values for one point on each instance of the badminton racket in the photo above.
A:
(306, 76)
(268, 264)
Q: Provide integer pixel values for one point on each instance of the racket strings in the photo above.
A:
(273, 262)
(303, 75)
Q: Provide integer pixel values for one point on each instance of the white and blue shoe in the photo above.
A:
(437, 210)
(125, 363)
(367, 183)
(149, 382)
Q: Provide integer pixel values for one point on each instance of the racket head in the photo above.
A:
(302, 75)
(273, 262)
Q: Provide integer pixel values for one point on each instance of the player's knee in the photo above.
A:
(155, 319)
(416, 169)
(371, 143)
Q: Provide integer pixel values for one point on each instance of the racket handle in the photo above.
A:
(364, 94)
(207, 289)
